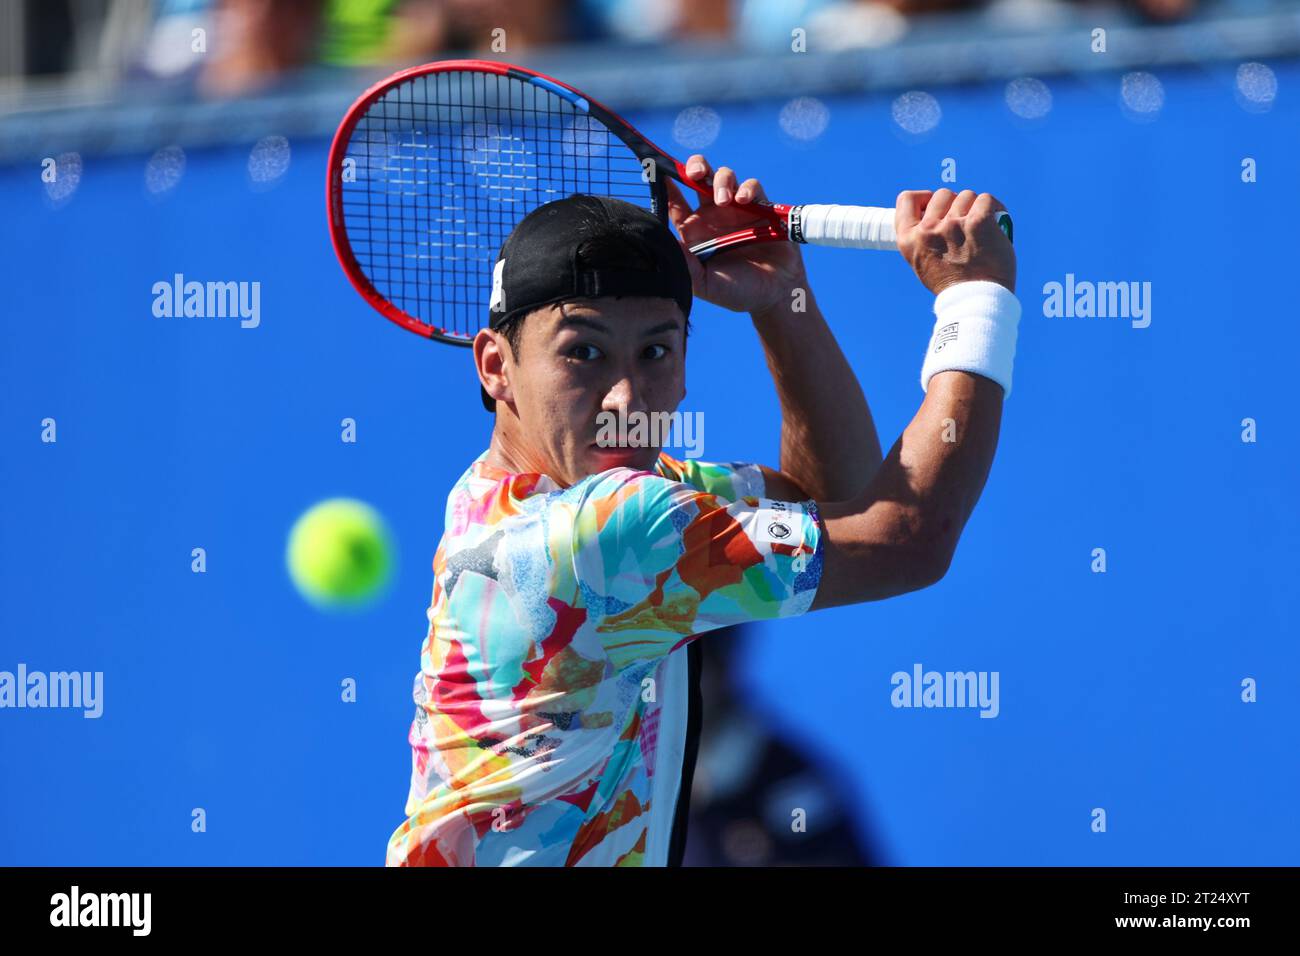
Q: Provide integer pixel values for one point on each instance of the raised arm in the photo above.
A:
(889, 527)
(821, 402)
(820, 397)
(900, 534)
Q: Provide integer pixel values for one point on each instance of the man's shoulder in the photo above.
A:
(487, 496)
(731, 480)
(671, 478)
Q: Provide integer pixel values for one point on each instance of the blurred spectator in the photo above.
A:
(1164, 10)
(1046, 14)
(654, 21)
(177, 41)
(827, 24)
(255, 41)
(749, 781)
(364, 32)
(758, 24)
(235, 47)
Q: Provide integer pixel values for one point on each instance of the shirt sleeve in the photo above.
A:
(659, 561)
(730, 480)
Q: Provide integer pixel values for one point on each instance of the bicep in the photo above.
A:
(881, 545)
(866, 555)
(872, 554)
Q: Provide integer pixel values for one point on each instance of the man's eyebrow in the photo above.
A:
(672, 325)
(569, 319)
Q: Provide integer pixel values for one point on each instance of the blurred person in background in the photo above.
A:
(236, 47)
(225, 48)
(653, 21)
(749, 781)
(252, 45)
(754, 24)
(1044, 15)
(365, 32)
(256, 41)
(1161, 11)
(828, 24)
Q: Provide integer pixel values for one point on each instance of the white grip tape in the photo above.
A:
(848, 227)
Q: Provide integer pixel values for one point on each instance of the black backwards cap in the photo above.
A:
(544, 260)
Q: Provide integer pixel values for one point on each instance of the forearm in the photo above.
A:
(829, 445)
(945, 455)
(901, 532)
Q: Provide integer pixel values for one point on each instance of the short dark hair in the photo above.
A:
(600, 252)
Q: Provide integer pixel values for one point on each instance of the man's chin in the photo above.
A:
(603, 459)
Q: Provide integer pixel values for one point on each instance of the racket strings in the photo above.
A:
(442, 167)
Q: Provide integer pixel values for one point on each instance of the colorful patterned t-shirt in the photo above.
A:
(550, 719)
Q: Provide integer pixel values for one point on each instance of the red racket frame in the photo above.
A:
(774, 230)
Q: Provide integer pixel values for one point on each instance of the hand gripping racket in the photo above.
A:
(432, 168)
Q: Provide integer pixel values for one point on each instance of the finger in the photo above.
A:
(984, 214)
(698, 170)
(909, 207)
(937, 207)
(963, 203)
(679, 210)
(699, 176)
(724, 185)
(986, 204)
(751, 190)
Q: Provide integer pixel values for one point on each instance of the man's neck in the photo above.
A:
(511, 456)
(507, 453)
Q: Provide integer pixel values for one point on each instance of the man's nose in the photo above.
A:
(625, 393)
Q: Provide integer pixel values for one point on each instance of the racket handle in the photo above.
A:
(847, 227)
(852, 227)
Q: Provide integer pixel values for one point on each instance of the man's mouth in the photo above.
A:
(617, 452)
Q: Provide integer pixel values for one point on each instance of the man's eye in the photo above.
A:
(585, 352)
(656, 351)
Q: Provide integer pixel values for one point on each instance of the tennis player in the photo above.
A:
(557, 704)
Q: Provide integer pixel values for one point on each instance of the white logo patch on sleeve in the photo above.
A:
(775, 524)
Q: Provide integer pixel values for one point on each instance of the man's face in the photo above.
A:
(584, 357)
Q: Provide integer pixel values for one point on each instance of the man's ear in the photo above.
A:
(491, 353)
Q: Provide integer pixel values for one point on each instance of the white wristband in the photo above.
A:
(974, 331)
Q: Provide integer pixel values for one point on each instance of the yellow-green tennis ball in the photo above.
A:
(339, 553)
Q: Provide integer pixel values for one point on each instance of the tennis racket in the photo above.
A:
(431, 169)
